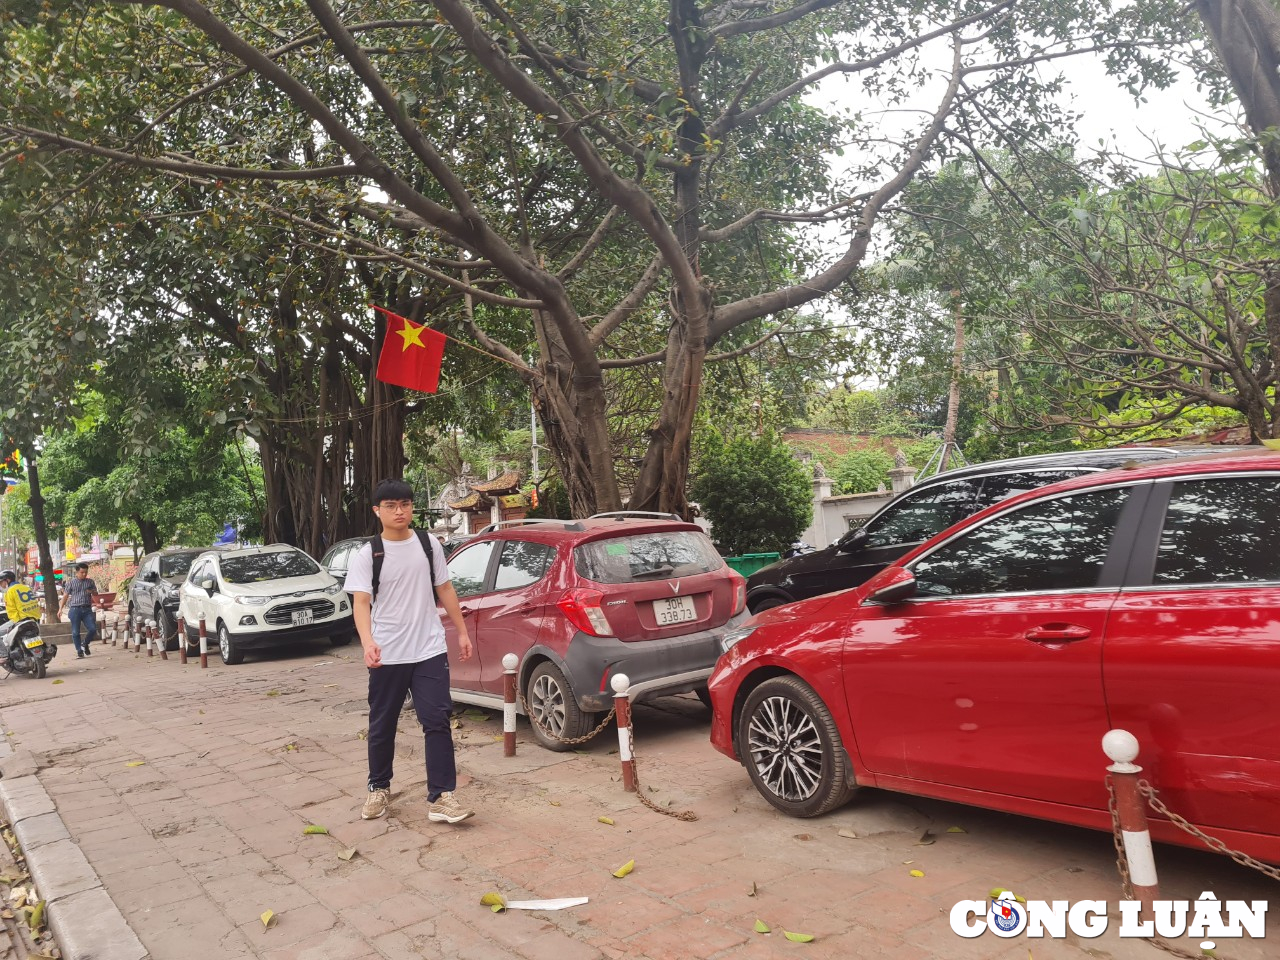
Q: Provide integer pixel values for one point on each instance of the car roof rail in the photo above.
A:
(517, 523)
(623, 514)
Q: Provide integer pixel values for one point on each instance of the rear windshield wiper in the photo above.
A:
(654, 573)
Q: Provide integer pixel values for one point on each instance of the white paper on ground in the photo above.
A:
(559, 904)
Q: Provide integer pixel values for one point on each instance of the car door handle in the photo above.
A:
(1058, 633)
(466, 611)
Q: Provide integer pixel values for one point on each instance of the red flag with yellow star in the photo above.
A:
(411, 354)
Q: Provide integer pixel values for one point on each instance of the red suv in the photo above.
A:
(984, 666)
(578, 601)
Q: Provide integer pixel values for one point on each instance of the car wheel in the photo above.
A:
(231, 654)
(340, 639)
(168, 629)
(792, 749)
(768, 603)
(553, 710)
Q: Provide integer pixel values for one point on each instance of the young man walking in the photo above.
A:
(404, 649)
(77, 601)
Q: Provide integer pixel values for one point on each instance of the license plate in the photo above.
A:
(303, 616)
(33, 643)
(671, 610)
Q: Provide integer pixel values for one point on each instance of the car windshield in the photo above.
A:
(177, 565)
(276, 565)
(647, 556)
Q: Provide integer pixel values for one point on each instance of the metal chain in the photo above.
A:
(687, 815)
(1122, 859)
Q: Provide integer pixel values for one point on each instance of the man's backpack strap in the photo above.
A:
(380, 554)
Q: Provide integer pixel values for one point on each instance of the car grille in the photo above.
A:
(283, 614)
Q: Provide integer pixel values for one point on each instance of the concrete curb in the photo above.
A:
(84, 919)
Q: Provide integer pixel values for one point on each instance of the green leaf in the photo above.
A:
(314, 829)
(798, 937)
(762, 927)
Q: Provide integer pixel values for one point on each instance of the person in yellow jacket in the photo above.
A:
(19, 602)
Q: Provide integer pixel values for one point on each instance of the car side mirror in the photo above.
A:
(853, 540)
(153, 577)
(210, 585)
(895, 585)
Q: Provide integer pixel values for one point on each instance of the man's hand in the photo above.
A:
(372, 656)
(464, 647)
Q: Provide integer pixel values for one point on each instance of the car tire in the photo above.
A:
(168, 629)
(553, 710)
(340, 639)
(231, 654)
(792, 750)
(768, 603)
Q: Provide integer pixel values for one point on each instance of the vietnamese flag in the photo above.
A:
(411, 354)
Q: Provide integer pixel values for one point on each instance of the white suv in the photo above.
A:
(258, 597)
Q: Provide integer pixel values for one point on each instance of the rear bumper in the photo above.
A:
(654, 667)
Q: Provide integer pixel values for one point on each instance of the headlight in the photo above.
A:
(250, 601)
(336, 588)
(731, 638)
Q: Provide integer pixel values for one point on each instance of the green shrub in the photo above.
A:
(757, 496)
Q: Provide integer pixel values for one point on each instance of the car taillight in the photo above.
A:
(739, 593)
(583, 610)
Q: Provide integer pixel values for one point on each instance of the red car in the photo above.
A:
(578, 601)
(985, 666)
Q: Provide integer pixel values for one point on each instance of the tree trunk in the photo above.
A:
(36, 502)
(953, 391)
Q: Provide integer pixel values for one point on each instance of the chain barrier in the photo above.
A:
(1213, 843)
(686, 815)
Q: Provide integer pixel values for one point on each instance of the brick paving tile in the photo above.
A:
(690, 937)
(557, 946)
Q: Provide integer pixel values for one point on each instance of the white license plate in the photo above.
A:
(303, 616)
(671, 610)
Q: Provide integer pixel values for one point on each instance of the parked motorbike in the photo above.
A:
(799, 548)
(27, 652)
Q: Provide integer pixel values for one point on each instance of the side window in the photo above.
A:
(197, 571)
(918, 516)
(337, 562)
(1221, 530)
(467, 568)
(522, 563)
(1002, 486)
(1057, 544)
(141, 576)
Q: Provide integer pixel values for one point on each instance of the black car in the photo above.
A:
(153, 594)
(926, 509)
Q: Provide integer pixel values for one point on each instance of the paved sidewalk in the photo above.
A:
(186, 791)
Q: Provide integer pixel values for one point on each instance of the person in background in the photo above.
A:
(77, 601)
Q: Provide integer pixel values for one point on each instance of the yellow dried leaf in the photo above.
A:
(623, 870)
(762, 927)
(926, 838)
(956, 830)
(290, 746)
(269, 920)
(608, 820)
(847, 833)
(273, 693)
(494, 901)
(554, 803)
(798, 937)
(57, 681)
(314, 829)
(753, 890)
(37, 916)
(917, 873)
(347, 854)
(135, 763)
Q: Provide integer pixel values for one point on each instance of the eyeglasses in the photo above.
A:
(405, 506)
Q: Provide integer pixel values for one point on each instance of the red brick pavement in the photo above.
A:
(204, 833)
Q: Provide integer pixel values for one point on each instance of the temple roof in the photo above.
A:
(508, 482)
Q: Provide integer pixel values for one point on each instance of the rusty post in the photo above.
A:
(622, 708)
(509, 664)
(1121, 747)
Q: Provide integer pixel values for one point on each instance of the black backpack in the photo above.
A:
(380, 553)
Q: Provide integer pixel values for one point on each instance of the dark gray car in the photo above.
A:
(153, 594)
(926, 509)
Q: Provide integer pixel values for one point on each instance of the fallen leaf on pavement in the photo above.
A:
(917, 873)
(623, 870)
(479, 715)
(926, 838)
(362, 735)
(314, 829)
(37, 916)
(956, 830)
(803, 836)
(798, 937)
(605, 820)
(269, 920)
(273, 693)
(57, 681)
(135, 763)
(847, 833)
(347, 854)
(753, 889)
(455, 724)
(762, 927)
(494, 901)
(290, 746)
(554, 803)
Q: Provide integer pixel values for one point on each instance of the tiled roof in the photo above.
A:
(509, 482)
(473, 502)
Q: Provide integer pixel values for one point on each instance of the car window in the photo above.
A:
(1057, 544)
(663, 555)
(521, 563)
(274, 565)
(1002, 486)
(337, 558)
(1221, 530)
(177, 565)
(141, 575)
(198, 570)
(918, 515)
(467, 568)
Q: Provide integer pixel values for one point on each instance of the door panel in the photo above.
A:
(469, 572)
(510, 619)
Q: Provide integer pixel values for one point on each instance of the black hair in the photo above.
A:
(392, 489)
(82, 566)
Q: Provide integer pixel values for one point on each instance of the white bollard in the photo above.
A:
(621, 684)
(509, 664)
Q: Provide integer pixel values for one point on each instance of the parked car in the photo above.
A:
(337, 559)
(154, 589)
(923, 511)
(985, 666)
(582, 600)
(253, 598)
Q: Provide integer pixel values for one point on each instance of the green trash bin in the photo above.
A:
(749, 563)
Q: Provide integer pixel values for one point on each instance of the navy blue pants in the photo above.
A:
(428, 681)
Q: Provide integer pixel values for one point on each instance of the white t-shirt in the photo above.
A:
(406, 624)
